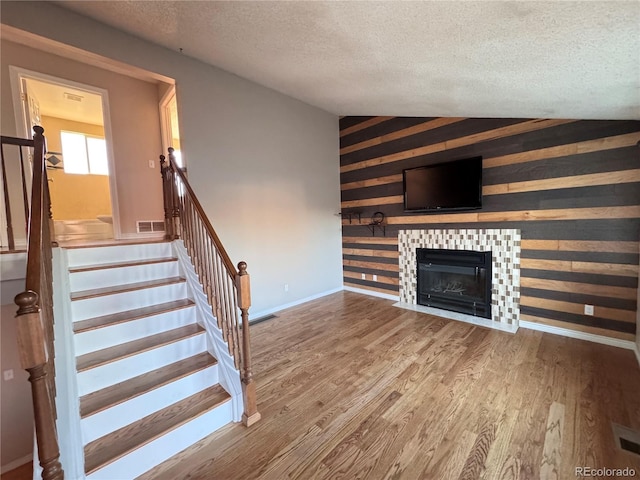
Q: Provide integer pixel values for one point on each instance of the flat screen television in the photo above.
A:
(453, 185)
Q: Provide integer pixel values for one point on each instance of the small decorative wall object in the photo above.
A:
(54, 162)
(351, 214)
(377, 220)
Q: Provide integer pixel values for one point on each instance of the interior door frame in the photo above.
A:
(166, 129)
(17, 74)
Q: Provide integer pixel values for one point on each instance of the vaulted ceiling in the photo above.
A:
(433, 58)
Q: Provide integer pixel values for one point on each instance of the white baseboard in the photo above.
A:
(590, 337)
(269, 311)
(16, 463)
(461, 317)
(637, 350)
(373, 293)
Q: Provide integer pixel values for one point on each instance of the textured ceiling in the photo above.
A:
(477, 59)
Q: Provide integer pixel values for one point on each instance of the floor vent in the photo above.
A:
(627, 439)
(630, 446)
(263, 319)
(150, 226)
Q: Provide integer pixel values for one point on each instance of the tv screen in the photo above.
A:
(453, 185)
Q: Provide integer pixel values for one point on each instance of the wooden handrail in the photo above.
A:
(35, 316)
(227, 288)
(196, 203)
(23, 142)
(34, 251)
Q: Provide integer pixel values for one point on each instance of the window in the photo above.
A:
(84, 154)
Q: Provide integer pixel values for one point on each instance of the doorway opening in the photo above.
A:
(170, 126)
(79, 160)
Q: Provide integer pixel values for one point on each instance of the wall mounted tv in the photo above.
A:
(453, 185)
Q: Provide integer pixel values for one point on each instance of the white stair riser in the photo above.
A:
(119, 253)
(106, 337)
(118, 416)
(121, 302)
(110, 277)
(115, 372)
(153, 453)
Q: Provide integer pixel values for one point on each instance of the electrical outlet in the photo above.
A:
(8, 375)
(588, 309)
(286, 287)
(152, 164)
(375, 278)
(364, 277)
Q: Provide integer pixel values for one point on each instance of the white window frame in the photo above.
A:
(87, 150)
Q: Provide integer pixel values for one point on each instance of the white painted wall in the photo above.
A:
(16, 411)
(265, 166)
(135, 132)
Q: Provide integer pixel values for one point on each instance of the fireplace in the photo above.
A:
(456, 280)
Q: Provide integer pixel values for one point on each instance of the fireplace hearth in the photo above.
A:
(455, 280)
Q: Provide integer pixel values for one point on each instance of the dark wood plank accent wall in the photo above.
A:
(571, 186)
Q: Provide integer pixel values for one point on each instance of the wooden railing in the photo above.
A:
(35, 315)
(226, 288)
(7, 178)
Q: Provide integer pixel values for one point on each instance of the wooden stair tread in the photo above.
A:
(123, 350)
(107, 397)
(129, 315)
(129, 287)
(77, 244)
(130, 263)
(117, 444)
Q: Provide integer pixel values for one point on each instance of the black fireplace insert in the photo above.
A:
(456, 280)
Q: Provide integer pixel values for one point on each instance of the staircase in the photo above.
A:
(148, 385)
(118, 340)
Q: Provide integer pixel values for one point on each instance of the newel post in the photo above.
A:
(251, 414)
(167, 197)
(33, 358)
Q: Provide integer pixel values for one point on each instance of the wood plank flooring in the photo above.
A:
(23, 472)
(351, 387)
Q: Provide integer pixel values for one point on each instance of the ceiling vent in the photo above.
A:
(73, 97)
(150, 226)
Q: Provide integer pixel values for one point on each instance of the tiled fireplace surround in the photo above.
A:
(505, 286)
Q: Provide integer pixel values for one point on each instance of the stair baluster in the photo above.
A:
(227, 289)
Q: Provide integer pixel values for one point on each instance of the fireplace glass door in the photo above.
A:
(456, 280)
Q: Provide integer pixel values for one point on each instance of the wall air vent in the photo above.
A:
(150, 226)
(73, 97)
(263, 319)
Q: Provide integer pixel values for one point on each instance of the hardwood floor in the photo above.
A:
(351, 387)
(23, 472)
